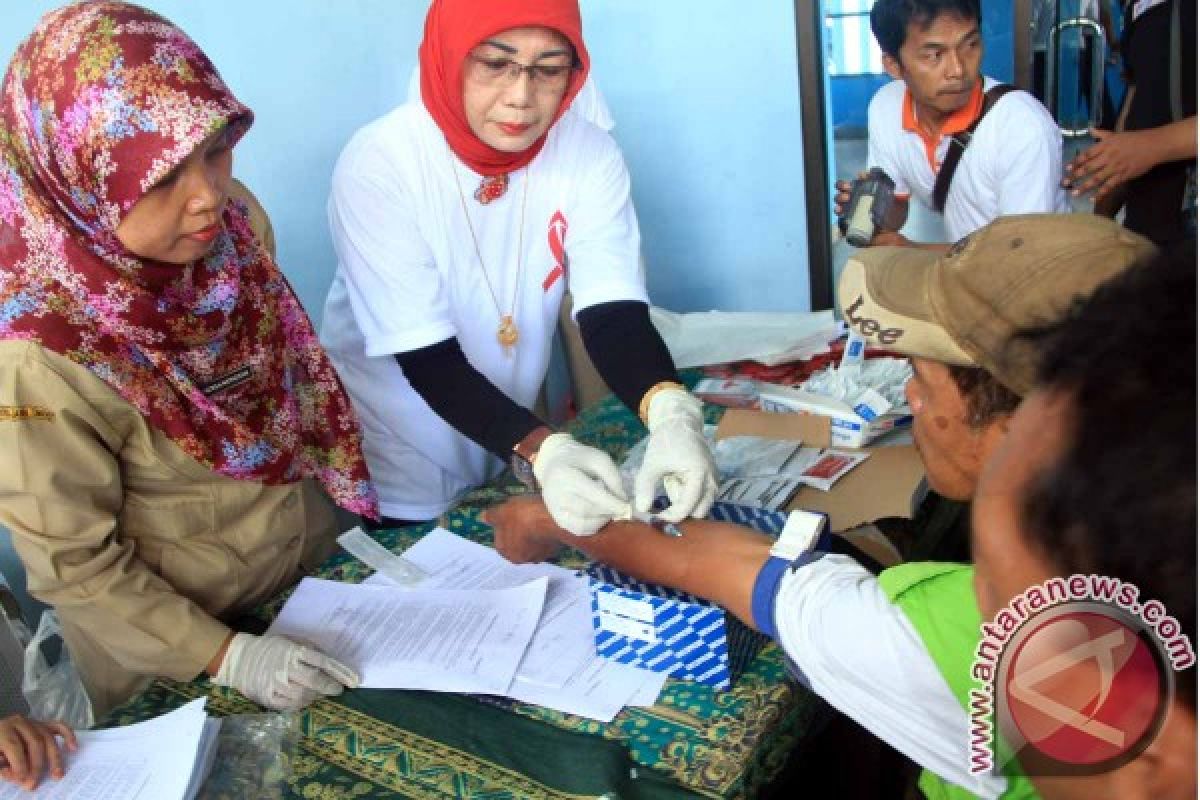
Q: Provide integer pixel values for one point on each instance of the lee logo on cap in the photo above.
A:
(871, 327)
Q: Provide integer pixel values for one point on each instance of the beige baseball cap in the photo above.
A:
(965, 307)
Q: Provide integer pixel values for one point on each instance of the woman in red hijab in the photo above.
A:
(171, 430)
(459, 219)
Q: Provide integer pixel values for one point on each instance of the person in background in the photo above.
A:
(895, 653)
(459, 220)
(171, 432)
(30, 748)
(933, 49)
(1148, 165)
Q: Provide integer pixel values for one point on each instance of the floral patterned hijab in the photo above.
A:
(101, 102)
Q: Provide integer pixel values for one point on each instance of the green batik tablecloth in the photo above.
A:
(373, 743)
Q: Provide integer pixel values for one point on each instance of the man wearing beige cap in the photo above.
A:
(849, 635)
(955, 317)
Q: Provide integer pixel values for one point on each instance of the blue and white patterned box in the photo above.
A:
(762, 520)
(666, 630)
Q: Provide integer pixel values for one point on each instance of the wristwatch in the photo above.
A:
(524, 453)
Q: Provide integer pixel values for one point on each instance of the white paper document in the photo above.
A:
(598, 690)
(436, 639)
(562, 643)
(561, 669)
(166, 758)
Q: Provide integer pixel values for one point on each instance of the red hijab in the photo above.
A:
(452, 29)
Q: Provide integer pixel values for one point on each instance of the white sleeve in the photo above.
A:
(860, 652)
(395, 290)
(1027, 158)
(603, 243)
(879, 150)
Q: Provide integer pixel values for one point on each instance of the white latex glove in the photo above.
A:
(581, 485)
(278, 673)
(678, 456)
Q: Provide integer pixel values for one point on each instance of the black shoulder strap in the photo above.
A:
(959, 143)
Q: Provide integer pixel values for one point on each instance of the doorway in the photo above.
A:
(841, 69)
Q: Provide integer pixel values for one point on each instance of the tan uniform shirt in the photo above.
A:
(141, 549)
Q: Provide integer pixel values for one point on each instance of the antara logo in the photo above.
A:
(870, 327)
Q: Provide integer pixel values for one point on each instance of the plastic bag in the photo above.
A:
(886, 376)
(54, 692)
(254, 757)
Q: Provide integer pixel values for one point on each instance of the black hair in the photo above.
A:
(1121, 499)
(890, 18)
(986, 398)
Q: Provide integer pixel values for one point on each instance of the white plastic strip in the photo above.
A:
(396, 568)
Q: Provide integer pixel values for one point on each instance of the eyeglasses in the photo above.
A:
(503, 72)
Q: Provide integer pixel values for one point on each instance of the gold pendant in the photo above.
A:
(506, 334)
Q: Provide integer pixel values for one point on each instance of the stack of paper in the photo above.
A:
(166, 758)
(475, 623)
(443, 640)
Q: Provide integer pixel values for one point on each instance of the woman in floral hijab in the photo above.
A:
(170, 428)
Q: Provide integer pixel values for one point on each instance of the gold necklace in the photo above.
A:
(506, 332)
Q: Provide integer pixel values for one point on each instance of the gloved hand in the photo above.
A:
(278, 673)
(678, 456)
(581, 485)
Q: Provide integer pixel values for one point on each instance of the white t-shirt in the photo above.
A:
(1013, 165)
(858, 650)
(408, 277)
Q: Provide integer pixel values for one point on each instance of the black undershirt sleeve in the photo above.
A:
(626, 348)
(465, 399)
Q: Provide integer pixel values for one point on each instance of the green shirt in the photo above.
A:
(939, 601)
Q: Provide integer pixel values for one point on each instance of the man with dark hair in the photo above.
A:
(964, 386)
(1098, 477)
(1002, 150)
(859, 641)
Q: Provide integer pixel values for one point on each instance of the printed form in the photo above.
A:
(561, 669)
(166, 758)
(438, 639)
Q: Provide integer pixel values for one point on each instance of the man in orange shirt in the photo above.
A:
(1013, 164)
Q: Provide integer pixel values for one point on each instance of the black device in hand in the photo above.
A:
(871, 199)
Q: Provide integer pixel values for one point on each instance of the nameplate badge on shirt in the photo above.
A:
(227, 382)
(25, 413)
